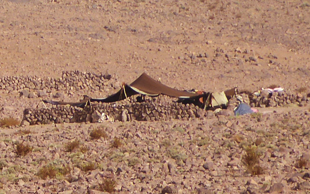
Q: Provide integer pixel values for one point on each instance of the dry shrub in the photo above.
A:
(98, 133)
(84, 149)
(70, 146)
(8, 122)
(301, 163)
(108, 185)
(251, 160)
(116, 143)
(302, 89)
(51, 171)
(88, 166)
(258, 116)
(3, 164)
(22, 149)
(47, 171)
(203, 141)
(64, 170)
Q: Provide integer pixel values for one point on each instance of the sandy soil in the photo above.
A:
(207, 45)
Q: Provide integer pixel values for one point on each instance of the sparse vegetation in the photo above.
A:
(166, 143)
(51, 171)
(176, 154)
(2, 164)
(251, 160)
(179, 129)
(108, 185)
(71, 146)
(88, 166)
(302, 90)
(98, 133)
(84, 149)
(47, 172)
(116, 143)
(257, 115)
(8, 122)
(22, 149)
(203, 141)
(116, 156)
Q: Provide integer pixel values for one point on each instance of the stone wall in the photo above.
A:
(144, 111)
(69, 80)
(153, 109)
(278, 99)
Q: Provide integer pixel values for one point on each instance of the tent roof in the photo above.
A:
(148, 86)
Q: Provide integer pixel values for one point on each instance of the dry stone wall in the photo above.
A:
(277, 99)
(144, 111)
(153, 109)
(70, 80)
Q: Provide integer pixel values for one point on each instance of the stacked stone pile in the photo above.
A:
(144, 111)
(277, 99)
(70, 80)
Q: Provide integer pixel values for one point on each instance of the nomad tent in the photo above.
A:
(147, 86)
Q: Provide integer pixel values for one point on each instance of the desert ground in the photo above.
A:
(207, 45)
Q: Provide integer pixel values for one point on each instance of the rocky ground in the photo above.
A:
(206, 45)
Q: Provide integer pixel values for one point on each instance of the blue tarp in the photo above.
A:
(243, 109)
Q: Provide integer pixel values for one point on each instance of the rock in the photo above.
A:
(204, 191)
(118, 171)
(25, 123)
(303, 186)
(96, 117)
(24, 93)
(208, 166)
(171, 168)
(225, 113)
(167, 190)
(42, 93)
(107, 76)
(276, 188)
(306, 176)
(32, 95)
(292, 180)
(125, 115)
(21, 182)
(59, 95)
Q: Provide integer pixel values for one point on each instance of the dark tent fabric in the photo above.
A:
(243, 109)
(148, 86)
(144, 85)
(122, 94)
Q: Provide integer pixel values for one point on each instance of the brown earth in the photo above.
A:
(207, 45)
